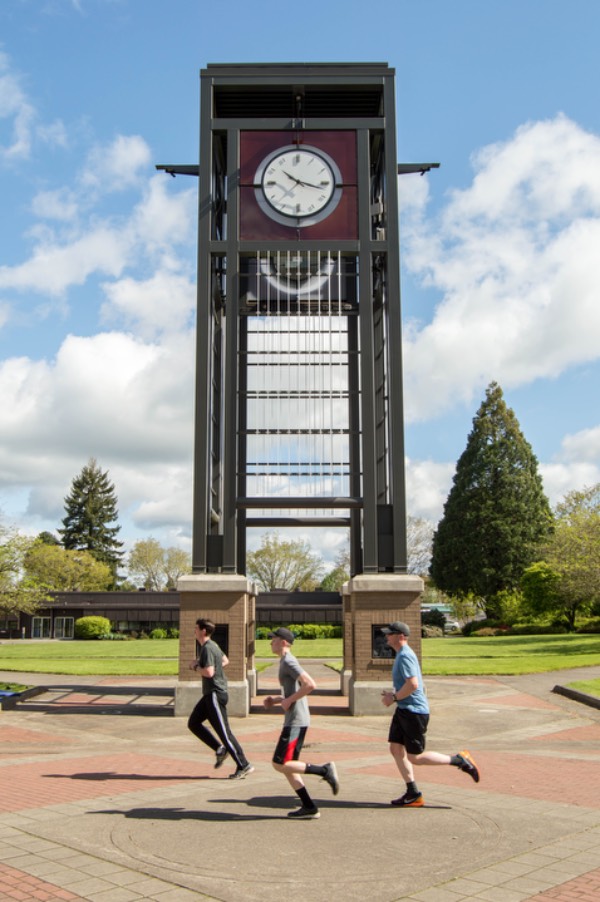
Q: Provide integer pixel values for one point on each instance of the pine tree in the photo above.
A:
(496, 514)
(91, 507)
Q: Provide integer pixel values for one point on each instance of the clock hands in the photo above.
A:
(302, 183)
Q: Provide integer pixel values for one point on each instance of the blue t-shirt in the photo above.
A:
(406, 664)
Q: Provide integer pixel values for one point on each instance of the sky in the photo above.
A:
(500, 246)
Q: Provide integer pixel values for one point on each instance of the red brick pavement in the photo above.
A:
(526, 776)
(582, 889)
(20, 736)
(16, 886)
(37, 784)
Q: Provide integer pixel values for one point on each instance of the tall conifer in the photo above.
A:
(91, 515)
(496, 514)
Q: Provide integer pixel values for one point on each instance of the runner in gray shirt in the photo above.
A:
(296, 684)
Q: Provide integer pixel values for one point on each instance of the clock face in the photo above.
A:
(298, 185)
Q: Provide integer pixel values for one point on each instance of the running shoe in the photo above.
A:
(241, 772)
(468, 765)
(331, 777)
(305, 814)
(221, 755)
(409, 801)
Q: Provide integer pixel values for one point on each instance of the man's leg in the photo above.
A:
(285, 761)
(217, 716)
(196, 723)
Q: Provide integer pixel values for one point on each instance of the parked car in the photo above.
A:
(451, 626)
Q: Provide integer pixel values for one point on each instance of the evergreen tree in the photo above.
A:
(91, 508)
(496, 515)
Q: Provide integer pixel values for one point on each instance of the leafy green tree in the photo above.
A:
(573, 554)
(281, 564)
(496, 515)
(157, 567)
(62, 570)
(18, 592)
(540, 585)
(335, 579)
(48, 538)
(91, 508)
(177, 563)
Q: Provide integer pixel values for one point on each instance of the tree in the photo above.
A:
(340, 574)
(91, 506)
(18, 592)
(571, 559)
(496, 516)
(281, 564)
(48, 538)
(177, 562)
(157, 567)
(62, 570)
(419, 537)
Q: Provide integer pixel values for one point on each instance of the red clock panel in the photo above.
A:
(338, 147)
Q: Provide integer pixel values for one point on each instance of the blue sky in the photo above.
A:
(500, 246)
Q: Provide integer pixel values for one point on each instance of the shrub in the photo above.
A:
(592, 626)
(92, 628)
(431, 632)
(158, 633)
(434, 617)
(172, 633)
(484, 631)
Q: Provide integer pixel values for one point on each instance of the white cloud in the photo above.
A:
(60, 204)
(427, 487)
(118, 165)
(62, 260)
(514, 258)
(162, 303)
(15, 107)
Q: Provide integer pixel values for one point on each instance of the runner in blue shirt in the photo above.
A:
(411, 717)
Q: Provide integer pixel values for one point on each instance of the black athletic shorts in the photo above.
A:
(408, 729)
(289, 745)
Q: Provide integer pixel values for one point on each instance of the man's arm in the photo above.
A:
(307, 684)
(409, 686)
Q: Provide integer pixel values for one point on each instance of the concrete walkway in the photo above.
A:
(97, 803)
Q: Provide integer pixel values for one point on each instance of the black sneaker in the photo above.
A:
(409, 801)
(305, 813)
(468, 765)
(331, 777)
(221, 755)
(241, 772)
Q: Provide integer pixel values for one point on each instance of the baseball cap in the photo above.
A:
(282, 633)
(396, 627)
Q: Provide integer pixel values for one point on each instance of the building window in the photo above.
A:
(379, 646)
(40, 627)
(64, 627)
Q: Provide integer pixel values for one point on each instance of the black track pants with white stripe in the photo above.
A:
(213, 709)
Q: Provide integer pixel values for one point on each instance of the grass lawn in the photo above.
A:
(590, 687)
(449, 656)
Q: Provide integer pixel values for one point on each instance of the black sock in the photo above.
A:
(412, 789)
(304, 797)
(456, 760)
(319, 769)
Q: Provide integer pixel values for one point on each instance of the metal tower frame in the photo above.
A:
(233, 269)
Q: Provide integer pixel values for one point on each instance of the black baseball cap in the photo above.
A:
(282, 633)
(398, 627)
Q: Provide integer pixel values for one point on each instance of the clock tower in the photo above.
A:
(299, 407)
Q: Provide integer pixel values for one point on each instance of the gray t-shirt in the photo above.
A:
(289, 671)
(212, 656)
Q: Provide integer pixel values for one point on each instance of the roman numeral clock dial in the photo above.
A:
(298, 185)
